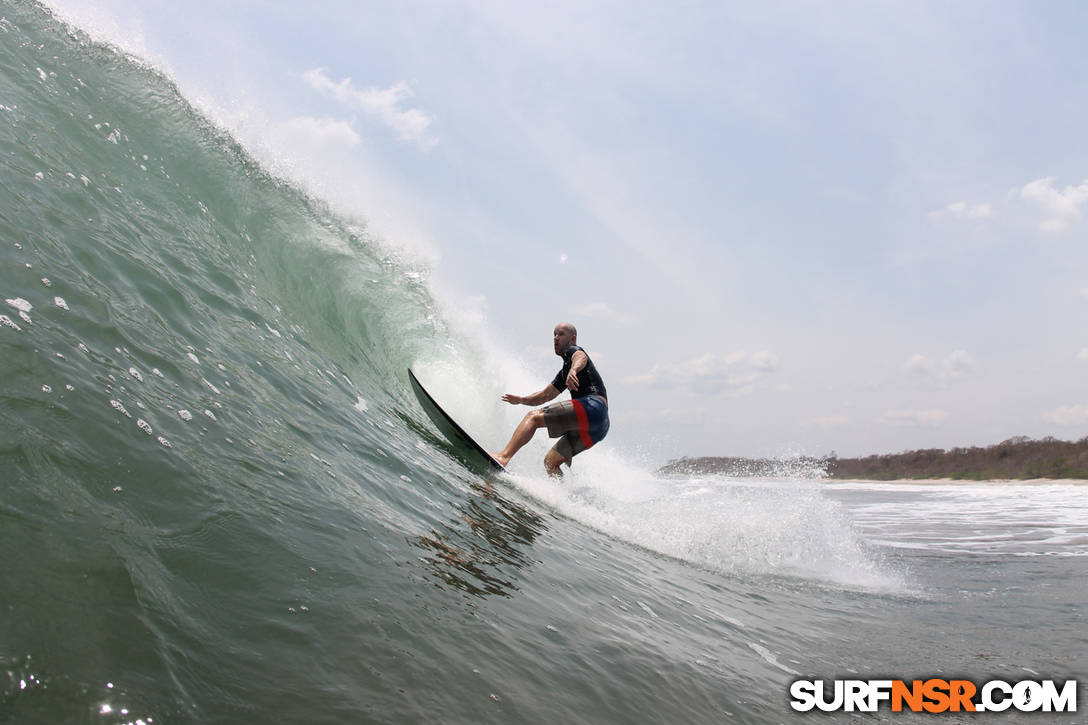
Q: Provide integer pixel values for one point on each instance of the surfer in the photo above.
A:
(578, 423)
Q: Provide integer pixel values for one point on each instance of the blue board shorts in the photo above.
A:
(579, 424)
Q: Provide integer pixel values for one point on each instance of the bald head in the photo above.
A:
(564, 336)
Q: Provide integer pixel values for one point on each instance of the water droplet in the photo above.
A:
(8, 322)
(136, 374)
(59, 302)
(185, 415)
(46, 389)
(46, 282)
(144, 426)
(120, 408)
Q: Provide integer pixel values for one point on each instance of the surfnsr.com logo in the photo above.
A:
(933, 695)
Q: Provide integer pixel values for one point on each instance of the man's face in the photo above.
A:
(563, 338)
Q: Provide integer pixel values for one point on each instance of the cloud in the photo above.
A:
(1083, 354)
(602, 311)
(956, 365)
(736, 374)
(830, 421)
(764, 361)
(919, 366)
(1068, 415)
(322, 132)
(1061, 208)
(914, 418)
(963, 210)
(384, 104)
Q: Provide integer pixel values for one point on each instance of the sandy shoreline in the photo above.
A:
(963, 482)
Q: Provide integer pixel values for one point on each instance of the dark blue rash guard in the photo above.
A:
(589, 380)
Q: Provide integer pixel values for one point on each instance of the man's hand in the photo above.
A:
(572, 380)
(512, 399)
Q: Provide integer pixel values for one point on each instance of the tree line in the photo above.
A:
(1016, 458)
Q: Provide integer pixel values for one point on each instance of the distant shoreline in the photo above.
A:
(967, 482)
(1018, 459)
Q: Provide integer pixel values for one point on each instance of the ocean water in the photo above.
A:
(221, 503)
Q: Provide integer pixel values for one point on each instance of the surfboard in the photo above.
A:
(474, 453)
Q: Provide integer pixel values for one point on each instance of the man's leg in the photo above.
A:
(565, 449)
(522, 434)
(552, 460)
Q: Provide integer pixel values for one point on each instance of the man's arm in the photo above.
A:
(541, 396)
(577, 362)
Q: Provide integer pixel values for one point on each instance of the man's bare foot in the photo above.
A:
(500, 458)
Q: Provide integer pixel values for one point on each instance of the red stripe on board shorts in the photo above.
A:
(583, 423)
(577, 424)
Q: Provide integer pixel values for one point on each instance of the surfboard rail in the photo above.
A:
(448, 426)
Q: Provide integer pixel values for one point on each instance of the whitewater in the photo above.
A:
(220, 501)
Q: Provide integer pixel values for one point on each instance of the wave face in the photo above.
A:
(220, 501)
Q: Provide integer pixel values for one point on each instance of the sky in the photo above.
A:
(780, 228)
